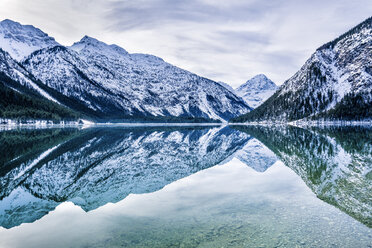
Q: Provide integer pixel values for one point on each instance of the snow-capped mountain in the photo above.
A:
(114, 83)
(97, 166)
(117, 85)
(256, 90)
(105, 82)
(335, 83)
(25, 99)
(21, 40)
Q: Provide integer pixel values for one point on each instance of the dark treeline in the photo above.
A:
(26, 105)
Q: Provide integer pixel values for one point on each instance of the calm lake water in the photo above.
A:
(242, 186)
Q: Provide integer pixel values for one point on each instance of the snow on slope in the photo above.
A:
(14, 71)
(335, 83)
(256, 90)
(227, 86)
(108, 79)
(21, 40)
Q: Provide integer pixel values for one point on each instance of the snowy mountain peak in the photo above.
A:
(90, 44)
(9, 22)
(114, 84)
(21, 40)
(256, 90)
(89, 39)
(106, 83)
(259, 82)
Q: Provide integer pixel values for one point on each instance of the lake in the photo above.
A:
(186, 186)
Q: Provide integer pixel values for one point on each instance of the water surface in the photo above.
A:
(186, 187)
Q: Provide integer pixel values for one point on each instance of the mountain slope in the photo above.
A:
(257, 90)
(117, 85)
(335, 83)
(11, 69)
(21, 40)
(19, 106)
(22, 98)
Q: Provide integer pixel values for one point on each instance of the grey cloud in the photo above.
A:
(126, 15)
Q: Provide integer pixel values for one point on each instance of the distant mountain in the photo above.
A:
(21, 40)
(335, 83)
(105, 82)
(256, 90)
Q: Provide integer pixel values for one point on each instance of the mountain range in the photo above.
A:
(335, 83)
(42, 79)
(105, 83)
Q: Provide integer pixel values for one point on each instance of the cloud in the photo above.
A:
(139, 14)
(228, 41)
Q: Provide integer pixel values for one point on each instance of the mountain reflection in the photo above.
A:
(39, 169)
(92, 167)
(336, 163)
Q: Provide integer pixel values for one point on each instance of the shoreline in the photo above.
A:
(49, 124)
(41, 125)
(306, 123)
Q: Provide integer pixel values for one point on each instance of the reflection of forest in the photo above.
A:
(94, 166)
(335, 163)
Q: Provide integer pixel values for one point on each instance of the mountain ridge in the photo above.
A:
(335, 83)
(21, 40)
(131, 84)
(105, 82)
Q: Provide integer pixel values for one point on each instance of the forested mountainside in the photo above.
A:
(22, 99)
(334, 84)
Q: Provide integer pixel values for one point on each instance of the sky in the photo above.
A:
(224, 40)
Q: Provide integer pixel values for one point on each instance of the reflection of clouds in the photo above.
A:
(228, 41)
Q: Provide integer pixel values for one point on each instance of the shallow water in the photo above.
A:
(186, 187)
